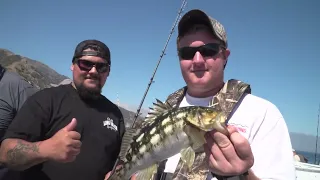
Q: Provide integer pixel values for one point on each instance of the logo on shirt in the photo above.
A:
(110, 125)
(239, 127)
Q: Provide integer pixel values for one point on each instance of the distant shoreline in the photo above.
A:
(309, 156)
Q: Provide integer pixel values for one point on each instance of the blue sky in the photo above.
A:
(274, 46)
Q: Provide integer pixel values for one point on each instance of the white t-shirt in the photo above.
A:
(262, 124)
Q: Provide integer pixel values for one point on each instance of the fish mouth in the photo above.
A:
(206, 119)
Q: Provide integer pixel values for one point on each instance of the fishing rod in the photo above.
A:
(152, 77)
(315, 154)
(162, 54)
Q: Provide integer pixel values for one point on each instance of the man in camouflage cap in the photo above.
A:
(258, 132)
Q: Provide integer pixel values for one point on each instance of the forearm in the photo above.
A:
(20, 155)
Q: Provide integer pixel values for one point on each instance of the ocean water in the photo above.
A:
(310, 156)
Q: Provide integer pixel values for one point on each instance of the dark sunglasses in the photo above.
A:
(86, 65)
(207, 50)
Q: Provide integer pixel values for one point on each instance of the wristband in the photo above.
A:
(240, 177)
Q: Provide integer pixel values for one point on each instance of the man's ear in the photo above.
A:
(226, 54)
(72, 67)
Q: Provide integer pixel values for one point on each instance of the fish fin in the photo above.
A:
(196, 137)
(148, 173)
(126, 141)
(214, 103)
(158, 108)
(188, 156)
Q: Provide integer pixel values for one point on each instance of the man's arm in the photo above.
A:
(63, 147)
(18, 154)
(21, 146)
(272, 148)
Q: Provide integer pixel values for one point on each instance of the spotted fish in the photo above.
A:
(165, 132)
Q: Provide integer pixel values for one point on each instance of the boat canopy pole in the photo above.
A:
(315, 154)
(162, 54)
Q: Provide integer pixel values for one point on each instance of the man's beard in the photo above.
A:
(88, 93)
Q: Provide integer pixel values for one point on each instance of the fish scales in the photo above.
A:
(146, 147)
(166, 132)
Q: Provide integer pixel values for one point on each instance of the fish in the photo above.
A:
(165, 132)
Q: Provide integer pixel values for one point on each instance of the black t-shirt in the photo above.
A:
(99, 122)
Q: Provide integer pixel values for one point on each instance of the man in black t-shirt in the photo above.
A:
(70, 131)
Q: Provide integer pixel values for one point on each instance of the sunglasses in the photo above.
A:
(207, 50)
(85, 65)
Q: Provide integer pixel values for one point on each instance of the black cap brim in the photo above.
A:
(104, 50)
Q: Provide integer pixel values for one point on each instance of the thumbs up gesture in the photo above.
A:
(65, 145)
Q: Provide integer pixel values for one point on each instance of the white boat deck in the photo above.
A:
(305, 171)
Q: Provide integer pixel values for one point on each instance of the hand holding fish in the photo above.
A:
(65, 145)
(228, 156)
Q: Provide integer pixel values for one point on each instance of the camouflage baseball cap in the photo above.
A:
(197, 16)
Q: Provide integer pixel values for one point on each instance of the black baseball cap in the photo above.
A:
(104, 51)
